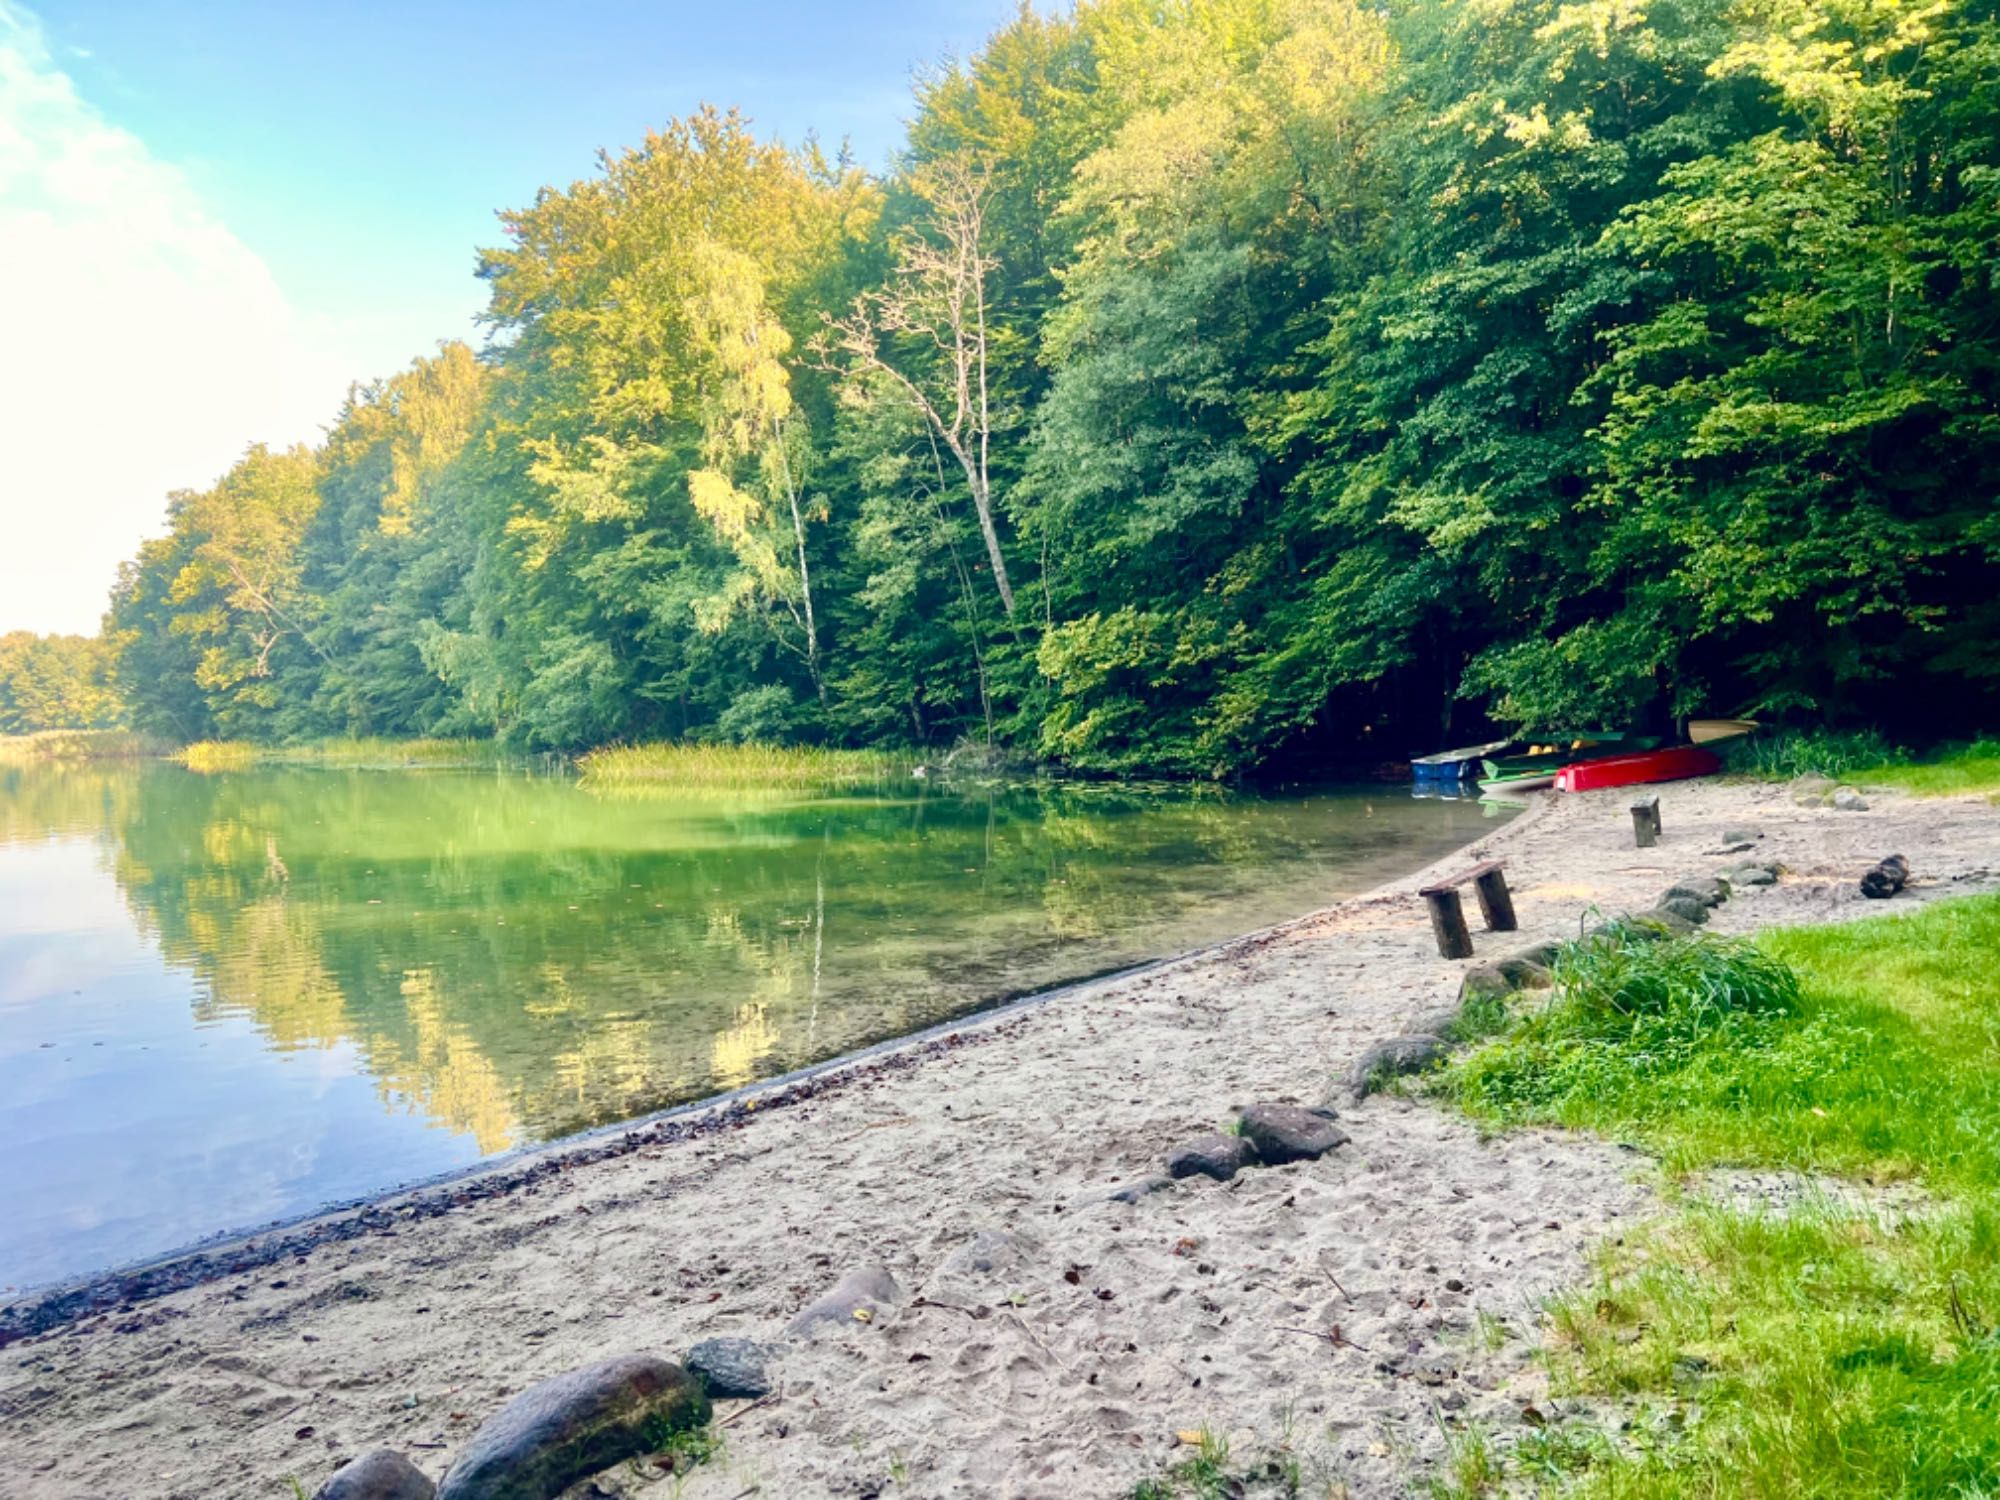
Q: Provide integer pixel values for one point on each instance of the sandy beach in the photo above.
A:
(1049, 1341)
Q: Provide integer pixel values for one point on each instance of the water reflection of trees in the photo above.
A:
(513, 958)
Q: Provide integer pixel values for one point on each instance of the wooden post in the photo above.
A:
(1448, 922)
(1495, 905)
(1646, 821)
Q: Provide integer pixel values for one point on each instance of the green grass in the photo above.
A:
(69, 745)
(1955, 772)
(1211, 1472)
(1842, 1347)
(239, 755)
(738, 765)
(1865, 758)
(1782, 754)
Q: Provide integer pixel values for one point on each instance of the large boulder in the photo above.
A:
(730, 1369)
(382, 1475)
(1215, 1155)
(1289, 1132)
(856, 1298)
(1398, 1056)
(1687, 908)
(576, 1425)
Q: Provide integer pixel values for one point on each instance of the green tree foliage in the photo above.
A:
(57, 682)
(1209, 382)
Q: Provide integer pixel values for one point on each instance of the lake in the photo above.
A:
(234, 998)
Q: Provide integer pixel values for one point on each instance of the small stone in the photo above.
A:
(579, 1424)
(1288, 1132)
(382, 1475)
(1644, 926)
(867, 1289)
(1217, 1155)
(1687, 908)
(1741, 836)
(1743, 876)
(731, 1369)
(1398, 1056)
(1703, 888)
(1144, 1187)
(1484, 982)
(1847, 799)
(988, 1250)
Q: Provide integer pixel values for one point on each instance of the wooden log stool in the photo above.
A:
(1646, 821)
(1448, 913)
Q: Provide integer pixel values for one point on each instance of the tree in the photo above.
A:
(924, 335)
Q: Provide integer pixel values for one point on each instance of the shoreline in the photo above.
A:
(42, 1309)
(1049, 1340)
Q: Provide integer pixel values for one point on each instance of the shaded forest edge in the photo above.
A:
(1238, 384)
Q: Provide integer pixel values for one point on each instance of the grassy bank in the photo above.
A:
(1868, 759)
(71, 745)
(238, 755)
(738, 765)
(1848, 1345)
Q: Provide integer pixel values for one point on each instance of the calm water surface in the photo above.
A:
(233, 998)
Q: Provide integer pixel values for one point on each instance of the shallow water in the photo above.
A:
(234, 998)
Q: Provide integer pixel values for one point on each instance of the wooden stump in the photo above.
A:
(1495, 904)
(1646, 821)
(1448, 922)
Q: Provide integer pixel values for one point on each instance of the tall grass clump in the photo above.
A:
(1788, 753)
(1846, 1343)
(738, 765)
(1631, 1012)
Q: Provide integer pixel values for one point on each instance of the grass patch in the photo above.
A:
(1866, 758)
(739, 765)
(1831, 1349)
(1953, 772)
(1212, 1472)
(71, 745)
(1787, 753)
(241, 755)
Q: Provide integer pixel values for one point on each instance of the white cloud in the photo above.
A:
(142, 345)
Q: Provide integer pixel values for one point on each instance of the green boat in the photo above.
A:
(1547, 754)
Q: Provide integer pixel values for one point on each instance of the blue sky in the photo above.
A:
(232, 209)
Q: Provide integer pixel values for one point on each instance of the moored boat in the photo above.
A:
(1707, 731)
(1675, 763)
(1454, 765)
(1517, 785)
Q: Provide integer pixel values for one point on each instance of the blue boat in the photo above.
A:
(1455, 765)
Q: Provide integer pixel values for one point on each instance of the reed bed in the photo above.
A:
(739, 765)
(241, 755)
(72, 745)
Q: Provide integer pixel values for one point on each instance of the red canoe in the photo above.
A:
(1676, 763)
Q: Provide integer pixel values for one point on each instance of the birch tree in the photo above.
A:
(923, 334)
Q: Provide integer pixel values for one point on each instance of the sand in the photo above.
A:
(1096, 1332)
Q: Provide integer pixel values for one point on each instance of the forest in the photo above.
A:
(1211, 384)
